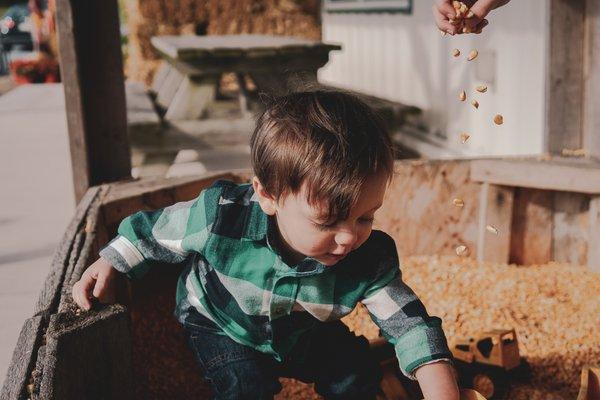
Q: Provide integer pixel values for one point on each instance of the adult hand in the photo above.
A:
(446, 19)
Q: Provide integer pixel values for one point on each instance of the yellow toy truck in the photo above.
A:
(488, 362)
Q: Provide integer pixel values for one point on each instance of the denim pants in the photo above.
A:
(339, 363)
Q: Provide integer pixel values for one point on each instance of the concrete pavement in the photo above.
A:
(36, 202)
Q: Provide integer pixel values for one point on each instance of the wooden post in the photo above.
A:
(495, 212)
(591, 75)
(92, 74)
(593, 255)
(564, 94)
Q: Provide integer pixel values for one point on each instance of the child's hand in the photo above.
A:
(96, 281)
(444, 13)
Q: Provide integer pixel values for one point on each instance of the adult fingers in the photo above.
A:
(445, 8)
(480, 26)
(442, 21)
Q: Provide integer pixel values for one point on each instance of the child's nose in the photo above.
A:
(346, 238)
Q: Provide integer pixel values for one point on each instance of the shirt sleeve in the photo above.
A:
(167, 235)
(418, 338)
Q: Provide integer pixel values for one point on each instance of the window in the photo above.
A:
(369, 6)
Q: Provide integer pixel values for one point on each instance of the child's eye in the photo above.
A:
(324, 227)
(366, 220)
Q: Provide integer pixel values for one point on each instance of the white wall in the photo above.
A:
(404, 58)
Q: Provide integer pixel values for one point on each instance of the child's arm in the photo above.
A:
(437, 381)
(418, 338)
(167, 235)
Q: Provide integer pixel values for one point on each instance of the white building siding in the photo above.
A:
(403, 58)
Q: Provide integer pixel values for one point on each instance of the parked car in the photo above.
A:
(15, 28)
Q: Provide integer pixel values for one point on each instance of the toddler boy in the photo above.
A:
(272, 266)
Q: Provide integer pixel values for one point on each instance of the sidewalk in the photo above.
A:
(36, 202)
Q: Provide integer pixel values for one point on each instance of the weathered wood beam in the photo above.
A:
(560, 176)
(92, 74)
(564, 95)
(494, 223)
(591, 75)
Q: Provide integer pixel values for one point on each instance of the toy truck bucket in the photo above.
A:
(590, 384)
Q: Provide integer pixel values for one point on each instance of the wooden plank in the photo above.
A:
(591, 114)
(593, 255)
(551, 175)
(88, 356)
(531, 233)
(160, 76)
(124, 199)
(564, 97)
(418, 210)
(192, 97)
(570, 228)
(169, 87)
(494, 223)
(92, 73)
(23, 359)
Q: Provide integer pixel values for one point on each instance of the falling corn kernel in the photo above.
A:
(492, 229)
(462, 96)
(470, 14)
(481, 88)
(456, 52)
(458, 202)
(461, 250)
(464, 137)
(475, 103)
(498, 119)
(473, 55)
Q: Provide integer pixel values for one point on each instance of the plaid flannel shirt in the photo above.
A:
(237, 279)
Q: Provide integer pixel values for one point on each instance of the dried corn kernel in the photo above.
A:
(475, 103)
(481, 88)
(464, 137)
(458, 202)
(473, 55)
(462, 96)
(456, 52)
(492, 229)
(461, 250)
(498, 119)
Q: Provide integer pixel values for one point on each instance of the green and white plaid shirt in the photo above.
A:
(237, 279)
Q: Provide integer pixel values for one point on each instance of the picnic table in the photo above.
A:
(188, 79)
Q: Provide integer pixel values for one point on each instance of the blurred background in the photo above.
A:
(170, 89)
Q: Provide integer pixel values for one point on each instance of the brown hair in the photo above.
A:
(330, 140)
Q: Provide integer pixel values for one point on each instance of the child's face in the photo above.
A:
(304, 233)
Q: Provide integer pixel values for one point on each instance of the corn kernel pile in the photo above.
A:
(553, 308)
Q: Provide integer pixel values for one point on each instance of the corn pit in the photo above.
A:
(553, 308)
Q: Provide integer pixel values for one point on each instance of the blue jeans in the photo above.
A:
(339, 363)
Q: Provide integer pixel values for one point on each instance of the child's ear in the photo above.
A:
(266, 201)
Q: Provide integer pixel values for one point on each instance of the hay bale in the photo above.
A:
(167, 17)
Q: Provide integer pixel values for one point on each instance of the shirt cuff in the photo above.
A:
(122, 254)
(424, 343)
(413, 375)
